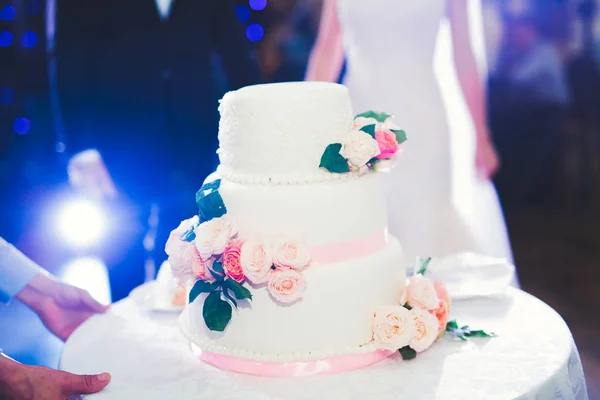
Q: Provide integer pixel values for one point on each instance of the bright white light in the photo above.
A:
(81, 223)
(89, 274)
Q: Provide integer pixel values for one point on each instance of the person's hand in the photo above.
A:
(487, 162)
(88, 174)
(61, 307)
(23, 382)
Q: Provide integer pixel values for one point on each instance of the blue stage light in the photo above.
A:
(243, 14)
(6, 38)
(29, 39)
(258, 5)
(7, 13)
(255, 32)
(22, 125)
(6, 95)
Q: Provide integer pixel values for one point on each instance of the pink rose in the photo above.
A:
(426, 329)
(420, 292)
(388, 145)
(182, 254)
(289, 254)
(256, 260)
(393, 327)
(442, 293)
(231, 261)
(441, 314)
(213, 236)
(286, 285)
(200, 268)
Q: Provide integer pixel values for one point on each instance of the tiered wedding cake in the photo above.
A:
(289, 256)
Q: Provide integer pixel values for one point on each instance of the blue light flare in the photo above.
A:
(7, 13)
(22, 126)
(29, 39)
(258, 5)
(255, 32)
(6, 38)
(243, 14)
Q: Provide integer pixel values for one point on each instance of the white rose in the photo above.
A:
(182, 254)
(359, 122)
(257, 260)
(359, 147)
(426, 329)
(393, 327)
(290, 254)
(213, 236)
(387, 125)
(421, 293)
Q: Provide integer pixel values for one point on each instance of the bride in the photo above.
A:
(406, 58)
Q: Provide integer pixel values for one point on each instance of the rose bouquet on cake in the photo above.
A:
(372, 144)
(207, 252)
(419, 318)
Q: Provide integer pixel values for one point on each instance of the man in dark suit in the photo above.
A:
(143, 89)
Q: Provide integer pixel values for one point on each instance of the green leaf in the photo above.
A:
(379, 116)
(424, 264)
(370, 129)
(202, 287)
(480, 334)
(218, 267)
(407, 307)
(230, 298)
(333, 161)
(238, 290)
(451, 325)
(216, 312)
(400, 136)
(189, 235)
(407, 353)
(207, 189)
(210, 206)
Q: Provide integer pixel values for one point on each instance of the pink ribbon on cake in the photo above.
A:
(296, 369)
(343, 251)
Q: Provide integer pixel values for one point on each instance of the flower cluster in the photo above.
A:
(373, 143)
(413, 325)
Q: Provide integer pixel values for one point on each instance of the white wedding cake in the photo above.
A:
(289, 256)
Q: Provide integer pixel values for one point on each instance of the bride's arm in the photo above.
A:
(327, 56)
(464, 30)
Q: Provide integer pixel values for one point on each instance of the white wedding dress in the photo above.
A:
(399, 60)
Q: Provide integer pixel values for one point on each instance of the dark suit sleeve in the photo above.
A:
(236, 52)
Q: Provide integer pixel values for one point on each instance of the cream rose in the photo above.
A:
(257, 260)
(359, 122)
(359, 147)
(393, 327)
(421, 293)
(291, 254)
(286, 285)
(426, 329)
(182, 254)
(213, 236)
(387, 125)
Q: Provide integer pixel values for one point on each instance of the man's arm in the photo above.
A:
(16, 271)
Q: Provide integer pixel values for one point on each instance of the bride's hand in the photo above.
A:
(487, 162)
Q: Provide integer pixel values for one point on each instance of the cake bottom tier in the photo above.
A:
(332, 319)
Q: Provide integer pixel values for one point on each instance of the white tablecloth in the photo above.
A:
(533, 357)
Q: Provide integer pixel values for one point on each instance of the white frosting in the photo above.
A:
(333, 317)
(277, 133)
(318, 213)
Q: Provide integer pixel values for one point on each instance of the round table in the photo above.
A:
(533, 357)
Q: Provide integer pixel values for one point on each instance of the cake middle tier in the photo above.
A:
(316, 213)
(333, 317)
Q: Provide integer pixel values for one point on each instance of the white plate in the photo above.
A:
(153, 296)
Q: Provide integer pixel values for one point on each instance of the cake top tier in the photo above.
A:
(276, 133)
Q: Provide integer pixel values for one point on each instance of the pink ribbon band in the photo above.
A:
(357, 248)
(298, 369)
